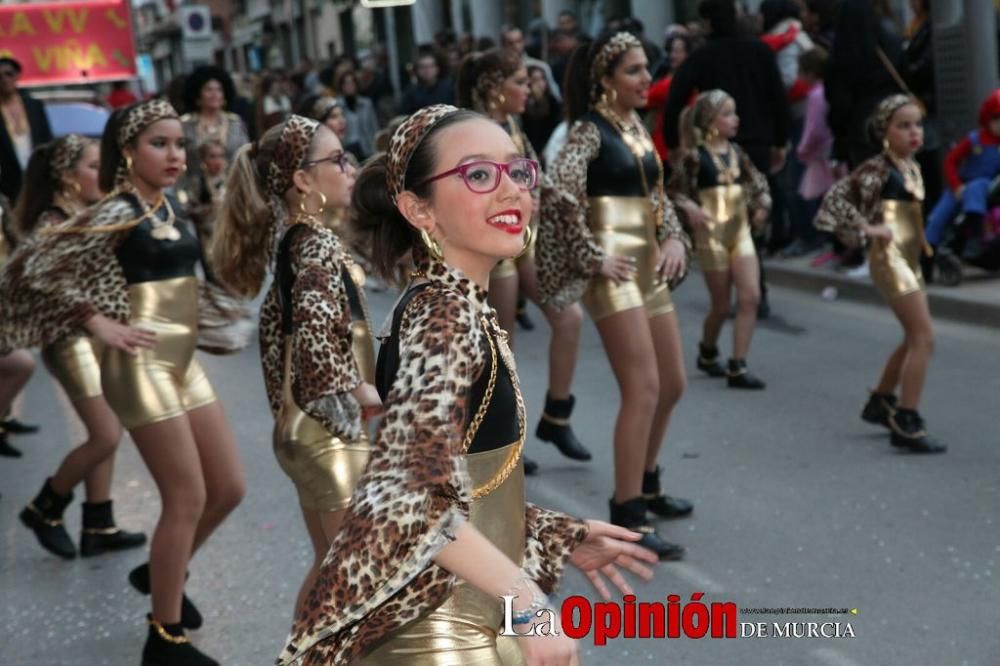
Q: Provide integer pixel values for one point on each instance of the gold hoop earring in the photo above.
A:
(885, 144)
(432, 246)
(529, 237)
(128, 164)
(305, 212)
(712, 134)
(75, 186)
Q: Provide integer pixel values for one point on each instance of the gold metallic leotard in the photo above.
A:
(895, 266)
(728, 236)
(463, 630)
(624, 226)
(166, 381)
(74, 364)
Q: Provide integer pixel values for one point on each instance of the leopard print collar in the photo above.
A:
(451, 278)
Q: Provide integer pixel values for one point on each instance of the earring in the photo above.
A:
(712, 134)
(529, 236)
(128, 164)
(432, 246)
(304, 212)
(75, 185)
(885, 144)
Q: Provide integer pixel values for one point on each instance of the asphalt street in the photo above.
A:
(798, 504)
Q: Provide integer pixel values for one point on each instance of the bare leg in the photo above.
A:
(169, 450)
(666, 337)
(322, 527)
(915, 316)
(15, 371)
(746, 277)
(503, 298)
(718, 283)
(221, 468)
(93, 460)
(564, 339)
(889, 379)
(628, 342)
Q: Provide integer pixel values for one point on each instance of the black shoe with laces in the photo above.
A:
(631, 514)
(661, 504)
(16, 427)
(190, 616)
(166, 645)
(44, 517)
(708, 361)
(740, 378)
(879, 408)
(908, 432)
(554, 427)
(100, 534)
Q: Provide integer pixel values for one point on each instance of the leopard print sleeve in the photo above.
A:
(567, 254)
(550, 538)
(53, 283)
(411, 498)
(324, 371)
(853, 202)
(754, 182)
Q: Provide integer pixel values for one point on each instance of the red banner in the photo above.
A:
(69, 42)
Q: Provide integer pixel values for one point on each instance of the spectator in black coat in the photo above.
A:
(25, 127)
(429, 88)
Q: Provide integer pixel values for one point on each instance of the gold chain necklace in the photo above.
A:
(164, 230)
(477, 420)
(637, 140)
(728, 173)
(913, 181)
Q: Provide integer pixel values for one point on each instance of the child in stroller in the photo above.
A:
(972, 171)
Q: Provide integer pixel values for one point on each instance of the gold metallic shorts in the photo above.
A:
(895, 266)
(166, 381)
(624, 226)
(74, 364)
(463, 631)
(729, 235)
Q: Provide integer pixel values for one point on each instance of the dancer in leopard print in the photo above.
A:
(315, 340)
(438, 528)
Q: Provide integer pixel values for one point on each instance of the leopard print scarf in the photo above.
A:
(293, 148)
(407, 138)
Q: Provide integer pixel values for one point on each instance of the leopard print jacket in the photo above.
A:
(567, 254)
(854, 201)
(53, 283)
(683, 185)
(324, 371)
(415, 492)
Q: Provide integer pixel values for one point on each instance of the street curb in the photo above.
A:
(942, 305)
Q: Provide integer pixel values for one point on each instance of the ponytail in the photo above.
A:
(576, 84)
(380, 231)
(39, 191)
(242, 243)
(687, 130)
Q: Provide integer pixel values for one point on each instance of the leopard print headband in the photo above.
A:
(487, 84)
(136, 120)
(611, 51)
(707, 107)
(886, 108)
(323, 107)
(67, 151)
(407, 138)
(293, 147)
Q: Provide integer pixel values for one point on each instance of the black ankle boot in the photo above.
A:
(101, 535)
(708, 361)
(879, 408)
(657, 502)
(6, 449)
(530, 466)
(44, 517)
(523, 320)
(632, 515)
(908, 432)
(190, 616)
(554, 428)
(739, 377)
(166, 645)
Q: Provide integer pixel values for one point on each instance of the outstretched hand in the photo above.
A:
(606, 548)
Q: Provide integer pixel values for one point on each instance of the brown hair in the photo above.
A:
(40, 190)
(481, 73)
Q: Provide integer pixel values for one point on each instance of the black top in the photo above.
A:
(10, 168)
(708, 174)
(147, 259)
(895, 187)
(614, 172)
(745, 68)
(499, 426)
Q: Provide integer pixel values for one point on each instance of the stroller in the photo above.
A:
(964, 245)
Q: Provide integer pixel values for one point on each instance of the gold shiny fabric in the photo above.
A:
(324, 468)
(166, 381)
(728, 236)
(463, 630)
(624, 226)
(73, 362)
(895, 266)
(505, 269)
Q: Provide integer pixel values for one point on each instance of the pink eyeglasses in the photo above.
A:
(483, 176)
